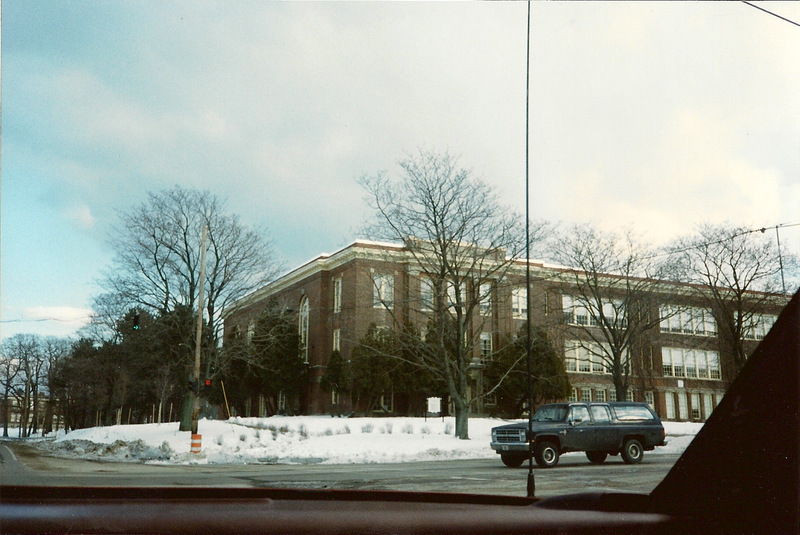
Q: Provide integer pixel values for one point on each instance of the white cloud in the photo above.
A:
(81, 216)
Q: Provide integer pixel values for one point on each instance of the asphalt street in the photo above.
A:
(21, 464)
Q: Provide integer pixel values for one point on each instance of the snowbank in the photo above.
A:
(302, 440)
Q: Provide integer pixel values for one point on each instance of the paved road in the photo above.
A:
(21, 464)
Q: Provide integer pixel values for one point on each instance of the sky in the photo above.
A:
(652, 116)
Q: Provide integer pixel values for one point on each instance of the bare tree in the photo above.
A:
(55, 352)
(9, 369)
(737, 273)
(25, 350)
(608, 298)
(460, 241)
(157, 262)
(157, 257)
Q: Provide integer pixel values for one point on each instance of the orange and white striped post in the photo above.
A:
(197, 441)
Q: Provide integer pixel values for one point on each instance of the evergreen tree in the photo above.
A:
(509, 369)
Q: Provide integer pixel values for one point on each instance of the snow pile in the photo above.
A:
(302, 440)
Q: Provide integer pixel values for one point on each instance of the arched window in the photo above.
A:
(303, 328)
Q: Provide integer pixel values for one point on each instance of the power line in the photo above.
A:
(770, 13)
(40, 320)
(762, 230)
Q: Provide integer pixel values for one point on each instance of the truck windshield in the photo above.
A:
(550, 413)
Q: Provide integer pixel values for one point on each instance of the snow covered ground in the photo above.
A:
(301, 440)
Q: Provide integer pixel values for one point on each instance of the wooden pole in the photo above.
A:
(199, 341)
(225, 397)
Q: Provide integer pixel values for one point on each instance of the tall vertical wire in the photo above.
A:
(531, 481)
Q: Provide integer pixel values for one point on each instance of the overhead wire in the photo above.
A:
(770, 12)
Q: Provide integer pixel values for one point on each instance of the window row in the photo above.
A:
(760, 326)
(687, 320)
(588, 357)
(684, 406)
(691, 363)
(606, 394)
(484, 296)
(585, 312)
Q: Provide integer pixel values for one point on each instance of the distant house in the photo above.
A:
(680, 366)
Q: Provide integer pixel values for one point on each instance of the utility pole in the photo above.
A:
(199, 341)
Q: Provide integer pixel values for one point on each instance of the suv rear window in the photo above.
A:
(633, 412)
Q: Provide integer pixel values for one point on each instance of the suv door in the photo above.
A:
(606, 434)
(579, 432)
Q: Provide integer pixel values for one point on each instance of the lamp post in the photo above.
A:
(531, 487)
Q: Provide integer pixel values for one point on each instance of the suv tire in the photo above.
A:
(596, 457)
(632, 451)
(546, 454)
(512, 461)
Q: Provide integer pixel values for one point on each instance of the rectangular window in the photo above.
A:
(597, 363)
(426, 293)
(683, 409)
(665, 312)
(454, 292)
(689, 363)
(337, 295)
(383, 290)
(599, 395)
(709, 324)
(387, 401)
(486, 347)
(573, 396)
(677, 363)
(337, 338)
(584, 360)
(669, 403)
(570, 356)
(519, 303)
(708, 405)
(650, 399)
(586, 395)
(630, 395)
(713, 365)
(666, 361)
(702, 364)
(485, 298)
(612, 394)
(695, 406)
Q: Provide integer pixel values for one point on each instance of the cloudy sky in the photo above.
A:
(659, 116)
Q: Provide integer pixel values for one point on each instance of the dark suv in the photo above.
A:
(599, 429)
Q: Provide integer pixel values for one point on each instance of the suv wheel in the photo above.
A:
(596, 457)
(546, 454)
(512, 461)
(632, 451)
